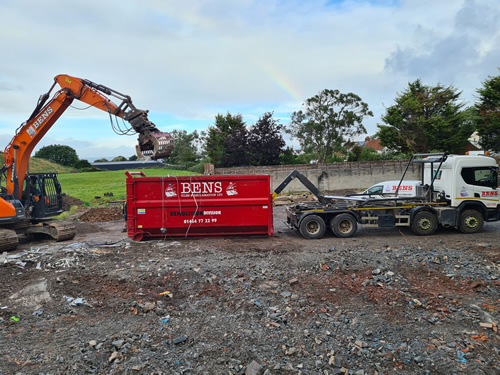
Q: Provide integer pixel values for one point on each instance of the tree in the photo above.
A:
(82, 163)
(133, 158)
(237, 152)
(265, 141)
(120, 158)
(289, 156)
(226, 143)
(488, 110)
(426, 119)
(329, 120)
(59, 154)
(103, 160)
(185, 150)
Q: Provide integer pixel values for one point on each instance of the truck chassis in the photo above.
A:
(422, 214)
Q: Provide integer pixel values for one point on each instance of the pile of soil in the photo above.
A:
(102, 214)
(69, 201)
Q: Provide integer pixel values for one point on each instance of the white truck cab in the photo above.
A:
(463, 178)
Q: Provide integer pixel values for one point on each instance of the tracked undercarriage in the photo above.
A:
(58, 230)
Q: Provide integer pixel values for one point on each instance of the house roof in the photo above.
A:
(374, 144)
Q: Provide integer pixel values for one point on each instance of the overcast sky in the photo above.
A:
(187, 61)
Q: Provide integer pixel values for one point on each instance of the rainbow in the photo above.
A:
(283, 82)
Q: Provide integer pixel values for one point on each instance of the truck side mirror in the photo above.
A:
(494, 178)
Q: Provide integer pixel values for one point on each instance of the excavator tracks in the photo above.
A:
(8, 240)
(58, 230)
(62, 231)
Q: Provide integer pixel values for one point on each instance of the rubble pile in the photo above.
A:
(102, 214)
(380, 303)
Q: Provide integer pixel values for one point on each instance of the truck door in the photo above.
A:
(482, 183)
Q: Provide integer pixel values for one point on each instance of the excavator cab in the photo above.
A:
(42, 195)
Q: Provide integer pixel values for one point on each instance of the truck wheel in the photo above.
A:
(312, 227)
(343, 225)
(424, 223)
(471, 221)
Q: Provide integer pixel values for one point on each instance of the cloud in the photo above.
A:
(459, 54)
(188, 61)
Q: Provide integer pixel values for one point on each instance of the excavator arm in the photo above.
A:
(152, 144)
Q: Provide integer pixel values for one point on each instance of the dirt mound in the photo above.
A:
(102, 214)
(69, 201)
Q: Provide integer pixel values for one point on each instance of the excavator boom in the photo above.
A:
(152, 144)
(27, 200)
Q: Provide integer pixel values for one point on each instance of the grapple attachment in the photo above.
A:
(154, 146)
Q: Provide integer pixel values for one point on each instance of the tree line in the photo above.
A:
(423, 118)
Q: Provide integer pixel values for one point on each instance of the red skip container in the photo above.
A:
(198, 206)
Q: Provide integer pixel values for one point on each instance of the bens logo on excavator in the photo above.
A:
(45, 115)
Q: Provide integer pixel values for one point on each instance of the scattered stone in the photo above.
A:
(149, 306)
(118, 344)
(331, 361)
(250, 303)
(180, 340)
(417, 303)
(359, 343)
(113, 356)
(254, 368)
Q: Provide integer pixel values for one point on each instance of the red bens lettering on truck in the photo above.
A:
(402, 188)
(489, 194)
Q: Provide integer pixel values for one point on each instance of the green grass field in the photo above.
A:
(85, 186)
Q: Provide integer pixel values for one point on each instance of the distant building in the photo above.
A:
(374, 144)
(125, 165)
(474, 140)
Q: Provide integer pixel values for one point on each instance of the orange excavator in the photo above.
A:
(28, 200)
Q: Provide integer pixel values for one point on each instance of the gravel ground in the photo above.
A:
(384, 302)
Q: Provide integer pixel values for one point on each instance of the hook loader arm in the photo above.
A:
(305, 181)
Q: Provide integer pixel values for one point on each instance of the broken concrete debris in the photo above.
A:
(253, 306)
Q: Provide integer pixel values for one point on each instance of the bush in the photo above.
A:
(91, 169)
(81, 164)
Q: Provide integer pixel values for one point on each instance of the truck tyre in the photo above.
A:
(424, 223)
(343, 225)
(312, 227)
(471, 221)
